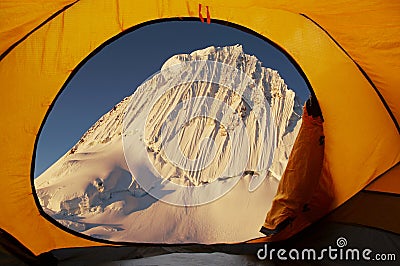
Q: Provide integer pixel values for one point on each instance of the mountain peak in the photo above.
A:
(92, 190)
(211, 53)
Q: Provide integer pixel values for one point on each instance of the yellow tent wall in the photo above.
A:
(362, 137)
(388, 183)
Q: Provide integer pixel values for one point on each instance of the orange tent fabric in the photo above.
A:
(303, 194)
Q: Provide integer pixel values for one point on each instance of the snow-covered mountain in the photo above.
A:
(91, 190)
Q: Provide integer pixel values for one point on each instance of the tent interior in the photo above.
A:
(347, 50)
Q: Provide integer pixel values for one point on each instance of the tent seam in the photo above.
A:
(362, 72)
(12, 46)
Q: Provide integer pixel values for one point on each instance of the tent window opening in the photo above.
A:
(161, 110)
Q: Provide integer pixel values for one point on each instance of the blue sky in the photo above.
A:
(120, 67)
